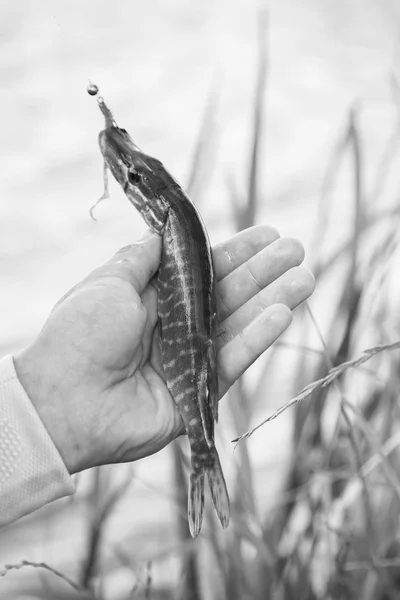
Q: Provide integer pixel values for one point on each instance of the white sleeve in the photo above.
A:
(32, 472)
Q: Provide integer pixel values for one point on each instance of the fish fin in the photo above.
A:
(218, 490)
(212, 380)
(196, 502)
(204, 404)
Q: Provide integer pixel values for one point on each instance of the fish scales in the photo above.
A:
(186, 305)
(187, 315)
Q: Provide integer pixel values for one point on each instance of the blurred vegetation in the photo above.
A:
(333, 531)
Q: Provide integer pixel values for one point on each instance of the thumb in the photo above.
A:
(138, 262)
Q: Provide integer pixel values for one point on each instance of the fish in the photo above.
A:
(187, 306)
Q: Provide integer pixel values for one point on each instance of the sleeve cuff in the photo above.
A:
(32, 472)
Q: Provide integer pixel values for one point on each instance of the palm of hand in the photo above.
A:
(120, 354)
(137, 398)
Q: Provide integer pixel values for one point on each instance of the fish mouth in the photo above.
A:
(119, 152)
(119, 143)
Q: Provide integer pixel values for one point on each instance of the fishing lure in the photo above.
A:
(186, 303)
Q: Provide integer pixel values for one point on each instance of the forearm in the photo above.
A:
(32, 472)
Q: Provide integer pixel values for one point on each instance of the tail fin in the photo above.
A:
(196, 503)
(219, 495)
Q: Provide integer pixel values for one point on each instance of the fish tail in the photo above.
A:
(218, 490)
(196, 502)
(219, 493)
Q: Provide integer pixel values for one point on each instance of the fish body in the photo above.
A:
(186, 305)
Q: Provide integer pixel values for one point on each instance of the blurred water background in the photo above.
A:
(155, 63)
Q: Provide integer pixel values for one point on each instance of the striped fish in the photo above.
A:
(186, 305)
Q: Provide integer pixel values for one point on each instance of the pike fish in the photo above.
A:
(187, 310)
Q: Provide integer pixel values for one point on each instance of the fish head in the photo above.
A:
(141, 176)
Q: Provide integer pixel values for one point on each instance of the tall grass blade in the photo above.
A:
(101, 506)
(249, 217)
(203, 161)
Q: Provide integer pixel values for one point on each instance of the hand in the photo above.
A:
(94, 373)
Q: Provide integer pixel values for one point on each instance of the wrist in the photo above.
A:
(40, 380)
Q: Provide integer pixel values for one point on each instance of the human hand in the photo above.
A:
(94, 373)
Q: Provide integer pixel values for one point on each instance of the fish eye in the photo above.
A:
(133, 176)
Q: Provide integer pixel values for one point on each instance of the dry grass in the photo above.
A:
(26, 563)
(332, 375)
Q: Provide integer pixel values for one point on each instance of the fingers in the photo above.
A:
(241, 351)
(234, 252)
(292, 288)
(256, 273)
(140, 261)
